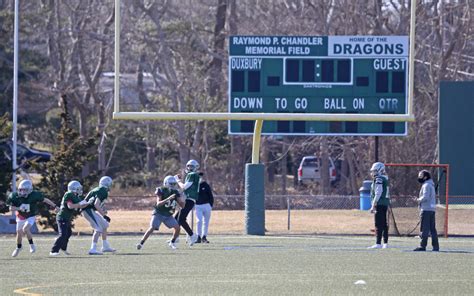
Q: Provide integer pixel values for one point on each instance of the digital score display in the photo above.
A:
(319, 74)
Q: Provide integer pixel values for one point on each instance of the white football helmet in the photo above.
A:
(25, 188)
(75, 187)
(192, 166)
(377, 169)
(106, 182)
(170, 182)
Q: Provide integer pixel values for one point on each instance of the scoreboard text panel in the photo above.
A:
(325, 74)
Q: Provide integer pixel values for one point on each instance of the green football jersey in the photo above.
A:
(99, 192)
(384, 199)
(29, 204)
(65, 213)
(193, 191)
(169, 207)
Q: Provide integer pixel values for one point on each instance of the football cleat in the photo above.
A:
(16, 252)
(376, 246)
(204, 240)
(66, 253)
(172, 245)
(32, 248)
(53, 254)
(385, 246)
(108, 250)
(175, 241)
(139, 246)
(192, 239)
(94, 252)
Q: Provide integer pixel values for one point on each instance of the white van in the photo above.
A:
(309, 169)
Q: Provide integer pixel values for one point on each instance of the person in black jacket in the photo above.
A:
(204, 205)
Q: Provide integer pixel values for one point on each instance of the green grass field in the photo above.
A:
(241, 265)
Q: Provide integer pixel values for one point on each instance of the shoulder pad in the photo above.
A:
(378, 180)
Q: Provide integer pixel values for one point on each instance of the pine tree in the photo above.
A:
(67, 163)
(5, 164)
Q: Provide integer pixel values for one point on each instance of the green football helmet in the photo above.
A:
(25, 188)
(106, 182)
(192, 166)
(75, 187)
(377, 169)
(170, 182)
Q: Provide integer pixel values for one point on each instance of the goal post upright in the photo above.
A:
(117, 16)
(411, 58)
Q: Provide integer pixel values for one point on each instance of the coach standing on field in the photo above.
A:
(427, 205)
(204, 206)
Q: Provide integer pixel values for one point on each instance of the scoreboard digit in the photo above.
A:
(318, 74)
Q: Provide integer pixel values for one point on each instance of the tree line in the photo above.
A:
(174, 58)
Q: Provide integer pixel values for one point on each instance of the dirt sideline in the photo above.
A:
(276, 221)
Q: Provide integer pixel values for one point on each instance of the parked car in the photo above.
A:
(23, 153)
(309, 170)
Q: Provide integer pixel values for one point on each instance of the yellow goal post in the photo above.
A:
(260, 117)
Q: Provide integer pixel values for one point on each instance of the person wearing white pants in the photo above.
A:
(203, 206)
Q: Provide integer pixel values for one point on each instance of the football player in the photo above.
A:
(96, 215)
(191, 192)
(380, 201)
(25, 203)
(71, 202)
(167, 198)
(204, 205)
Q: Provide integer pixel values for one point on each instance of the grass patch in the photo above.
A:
(241, 265)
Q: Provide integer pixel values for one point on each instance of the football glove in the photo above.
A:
(107, 218)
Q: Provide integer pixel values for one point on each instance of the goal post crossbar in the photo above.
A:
(408, 117)
(443, 166)
(260, 117)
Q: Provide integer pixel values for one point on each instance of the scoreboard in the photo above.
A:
(319, 74)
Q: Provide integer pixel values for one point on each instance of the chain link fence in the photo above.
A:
(318, 214)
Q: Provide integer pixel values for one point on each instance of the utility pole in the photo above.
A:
(15, 94)
(376, 152)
